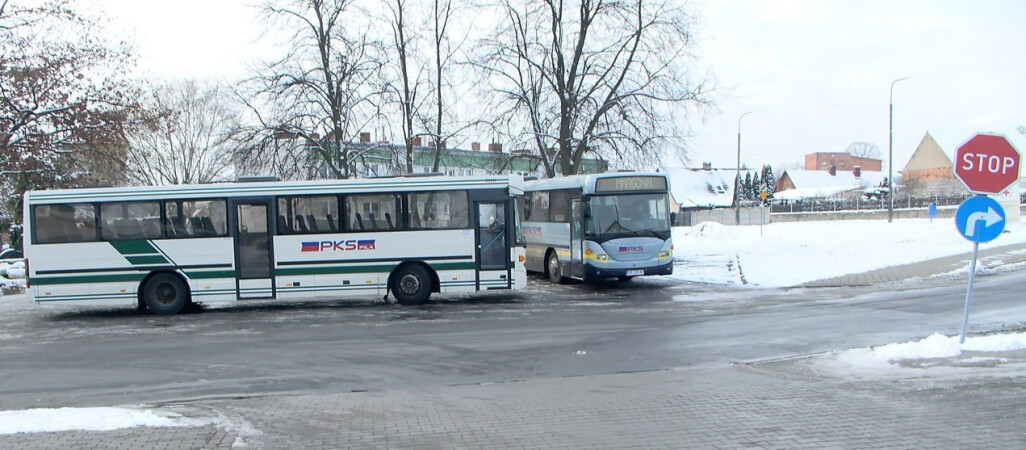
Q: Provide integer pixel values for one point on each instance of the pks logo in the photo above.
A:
(631, 248)
(338, 246)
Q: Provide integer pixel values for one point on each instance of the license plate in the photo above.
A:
(634, 273)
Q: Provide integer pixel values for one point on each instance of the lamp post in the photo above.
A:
(737, 176)
(890, 154)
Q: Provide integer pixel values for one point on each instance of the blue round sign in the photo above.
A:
(980, 219)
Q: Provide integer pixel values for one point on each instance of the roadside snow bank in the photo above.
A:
(934, 346)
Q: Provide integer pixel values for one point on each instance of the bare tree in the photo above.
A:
(592, 76)
(193, 140)
(864, 150)
(405, 85)
(324, 91)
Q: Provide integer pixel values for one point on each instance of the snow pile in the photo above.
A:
(934, 346)
(12, 268)
(90, 419)
(793, 253)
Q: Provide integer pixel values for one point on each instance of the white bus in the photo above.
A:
(598, 226)
(161, 248)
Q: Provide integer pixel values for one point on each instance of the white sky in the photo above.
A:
(817, 73)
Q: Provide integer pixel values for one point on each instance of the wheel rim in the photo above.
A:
(553, 267)
(166, 293)
(409, 284)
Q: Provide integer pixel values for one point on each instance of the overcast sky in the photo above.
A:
(816, 73)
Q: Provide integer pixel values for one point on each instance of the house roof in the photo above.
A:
(698, 188)
(928, 155)
(819, 183)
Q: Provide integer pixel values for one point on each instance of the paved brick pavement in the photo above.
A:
(769, 405)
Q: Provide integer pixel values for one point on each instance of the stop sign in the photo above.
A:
(987, 164)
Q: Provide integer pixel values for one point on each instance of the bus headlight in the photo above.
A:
(602, 257)
(664, 254)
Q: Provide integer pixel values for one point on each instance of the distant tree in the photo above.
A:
(191, 141)
(864, 150)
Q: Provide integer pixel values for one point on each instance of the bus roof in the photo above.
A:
(515, 183)
(584, 182)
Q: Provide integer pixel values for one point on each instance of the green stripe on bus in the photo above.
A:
(147, 259)
(42, 281)
(134, 247)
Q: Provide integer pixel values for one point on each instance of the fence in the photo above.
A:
(860, 204)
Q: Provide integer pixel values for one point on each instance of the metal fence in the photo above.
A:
(859, 204)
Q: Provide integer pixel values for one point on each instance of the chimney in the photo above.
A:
(416, 141)
(365, 137)
(857, 171)
(495, 147)
(707, 166)
(475, 146)
(833, 170)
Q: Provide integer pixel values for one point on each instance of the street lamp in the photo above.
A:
(890, 155)
(737, 177)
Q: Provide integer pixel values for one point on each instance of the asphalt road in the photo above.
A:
(52, 355)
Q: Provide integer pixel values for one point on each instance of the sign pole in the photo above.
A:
(969, 293)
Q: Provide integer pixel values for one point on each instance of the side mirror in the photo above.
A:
(673, 219)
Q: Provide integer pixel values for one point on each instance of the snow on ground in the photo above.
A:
(793, 253)
(92, 419)
(933, 352)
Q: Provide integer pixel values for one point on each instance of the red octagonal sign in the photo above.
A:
(987, 164)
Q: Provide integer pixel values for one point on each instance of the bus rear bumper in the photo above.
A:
(592, 272)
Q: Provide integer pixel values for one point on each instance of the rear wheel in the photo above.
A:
(165, 294)
(555, 272)
(411, 284)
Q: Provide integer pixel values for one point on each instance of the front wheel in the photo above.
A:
(411, 285)
(555, 272)
(165, 294)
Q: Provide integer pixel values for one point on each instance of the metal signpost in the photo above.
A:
(985, 164)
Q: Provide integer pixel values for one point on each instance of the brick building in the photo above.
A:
(840, 162)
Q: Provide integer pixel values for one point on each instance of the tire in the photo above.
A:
(165, 294)
(411, 284)
(554, 270)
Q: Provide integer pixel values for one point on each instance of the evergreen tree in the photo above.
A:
(753, 193)
(746, 187)
(767, 180)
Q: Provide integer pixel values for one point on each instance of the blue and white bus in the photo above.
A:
(611, 225)
(163, 247)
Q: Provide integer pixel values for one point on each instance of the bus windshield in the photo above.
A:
(628, 215)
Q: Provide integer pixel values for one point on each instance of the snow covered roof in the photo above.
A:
(699, 188)
(819, 183)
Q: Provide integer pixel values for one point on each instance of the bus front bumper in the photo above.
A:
(603, 272)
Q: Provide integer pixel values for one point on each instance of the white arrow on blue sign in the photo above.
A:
(980, 219)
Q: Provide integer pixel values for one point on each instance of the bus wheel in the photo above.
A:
(165, 294)
(411, 284)
(555, 273)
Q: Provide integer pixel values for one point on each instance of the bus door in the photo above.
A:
(576, 239)
(493, 250)
(254, 255)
